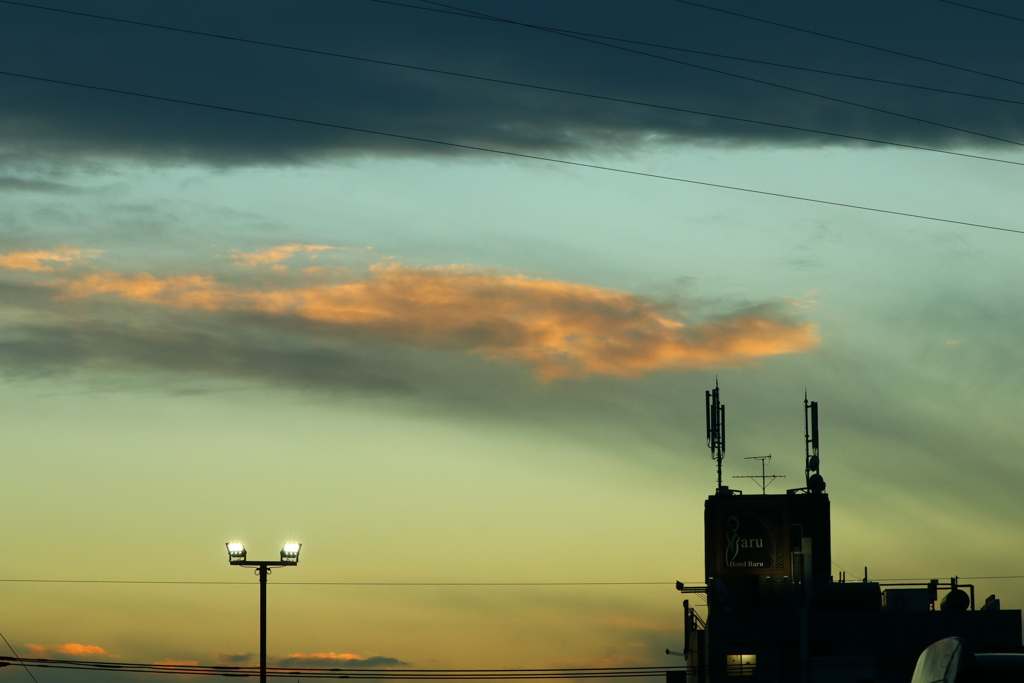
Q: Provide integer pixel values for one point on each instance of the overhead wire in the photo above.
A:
(325, 672)
(959, 578)
(520, 84)
(810, 93)
(851, 42)
(471, 13)
(808, 69)
(509, 153)
(832, 664)
(19, 659)
(352, 583)
(980, 9)
(620, 39)
(721, 55)
(427, 584)
(309, 672)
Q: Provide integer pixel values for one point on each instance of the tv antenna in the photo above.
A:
(766, 479)
(815, 482)
(716, 428)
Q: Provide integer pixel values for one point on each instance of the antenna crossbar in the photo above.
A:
(766, 479)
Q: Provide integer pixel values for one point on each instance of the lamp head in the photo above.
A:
(236, 553)
(290, 553)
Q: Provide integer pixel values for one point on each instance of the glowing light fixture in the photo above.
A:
(236, 553)
(290, 553)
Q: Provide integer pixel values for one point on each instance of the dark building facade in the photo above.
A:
(776, 613)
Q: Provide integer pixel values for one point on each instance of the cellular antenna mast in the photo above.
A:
(716, 429)
(815, 482)
(766, 479)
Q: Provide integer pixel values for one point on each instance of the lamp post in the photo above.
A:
(289, 558)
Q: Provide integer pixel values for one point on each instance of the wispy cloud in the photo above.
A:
(276, 254)
(340, 660)
(43, 261)
(235, 659)
(28, 185)
(561, 329)
(178, 662)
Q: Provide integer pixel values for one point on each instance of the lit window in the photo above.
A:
(740, 665)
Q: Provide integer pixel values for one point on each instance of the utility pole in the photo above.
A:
(289, 558)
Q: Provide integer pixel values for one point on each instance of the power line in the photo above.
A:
(19, 659)
(979, 9)
(434, 583)
(834, 663)
(595, 96)
(851, 42)
(307, 672)
(520, 84)
(959, 578)
(918, 119)
(676, 48)
(719, 55)
(351, 583)
(509, 153)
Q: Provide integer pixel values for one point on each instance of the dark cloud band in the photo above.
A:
(46, 118)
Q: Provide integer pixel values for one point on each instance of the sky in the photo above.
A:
(316, 271)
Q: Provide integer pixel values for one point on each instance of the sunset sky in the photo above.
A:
(434, 364)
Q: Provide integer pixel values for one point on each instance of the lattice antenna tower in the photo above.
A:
(766, 479)
(815, 482)
(715, 414)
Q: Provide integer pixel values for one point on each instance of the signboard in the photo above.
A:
(747, 536)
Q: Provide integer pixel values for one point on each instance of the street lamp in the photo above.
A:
(289, 558)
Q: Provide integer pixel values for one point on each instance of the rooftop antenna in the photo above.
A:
(815, 482)
(716, 429)
(766, 479)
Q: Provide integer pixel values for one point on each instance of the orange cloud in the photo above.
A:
(342, 656)
(186, 291)
(41, 261)
(275, 254)
(78, 649)
(73, 649)
(561, 329)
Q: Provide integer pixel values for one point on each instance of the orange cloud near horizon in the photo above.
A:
(561, 329)
(341, 656)
(73, 649)
(42, 261)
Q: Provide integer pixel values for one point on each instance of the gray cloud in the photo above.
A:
(26, 185)
(33, 351)
(332, 661)
(45, 119)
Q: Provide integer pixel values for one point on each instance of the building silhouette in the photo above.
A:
(775, 612)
